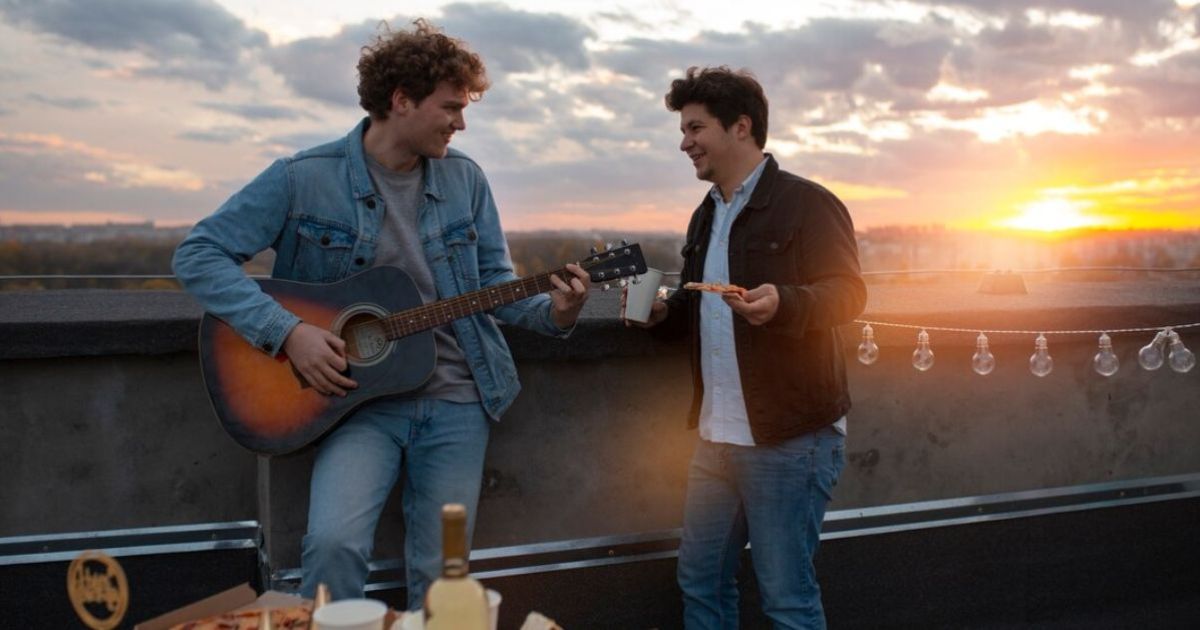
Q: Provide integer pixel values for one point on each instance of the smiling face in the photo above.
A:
(425, 129)
(711, 147)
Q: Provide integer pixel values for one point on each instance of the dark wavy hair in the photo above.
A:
(726, 94)
(415, 62)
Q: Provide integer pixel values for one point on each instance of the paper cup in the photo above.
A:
(640, 296)
(493, 598)
(351, 614)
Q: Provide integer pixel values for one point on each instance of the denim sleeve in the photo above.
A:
(495, 267)
(208, 262)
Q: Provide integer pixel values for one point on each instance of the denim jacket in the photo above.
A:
(320, 213)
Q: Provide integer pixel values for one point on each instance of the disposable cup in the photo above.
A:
(494, 599)
(640, 295)
(351, 614)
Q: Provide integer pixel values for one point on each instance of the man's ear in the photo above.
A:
(400, 102)
(744, 127)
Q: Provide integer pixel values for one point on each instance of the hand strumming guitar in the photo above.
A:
(320, 357)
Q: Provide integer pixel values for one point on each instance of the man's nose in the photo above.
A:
(685, 143)
(460, 122)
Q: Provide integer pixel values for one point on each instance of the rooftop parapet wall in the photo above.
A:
(106, 424)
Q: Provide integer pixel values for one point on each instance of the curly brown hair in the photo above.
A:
(415, 63)
(726, 94)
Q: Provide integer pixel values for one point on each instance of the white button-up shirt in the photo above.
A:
(723, 413)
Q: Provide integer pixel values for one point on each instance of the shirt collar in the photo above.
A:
(744, 189)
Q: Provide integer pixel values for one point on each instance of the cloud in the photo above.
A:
(513, 41)
(77, 103)
(510, 42)
(218, 135)
(43, 173)
(195, 40)
(323, 68)
(256, 111)
(98, 165)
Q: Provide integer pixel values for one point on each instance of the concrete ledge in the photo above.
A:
(68, 323)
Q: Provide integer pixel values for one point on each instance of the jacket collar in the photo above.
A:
(762, 192)
(360, 177)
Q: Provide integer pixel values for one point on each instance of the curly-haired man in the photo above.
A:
(391, 192)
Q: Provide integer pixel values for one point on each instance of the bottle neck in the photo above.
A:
(454, 547)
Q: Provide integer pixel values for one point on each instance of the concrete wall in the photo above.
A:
(118, 433)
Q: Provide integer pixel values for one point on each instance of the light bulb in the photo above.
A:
(1040, 363)
(922, 356)
(1105, 361)
(1150, 357)
(868, 351)
(1181, 359)
(983, 362)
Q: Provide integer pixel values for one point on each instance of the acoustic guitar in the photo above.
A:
(267, 407)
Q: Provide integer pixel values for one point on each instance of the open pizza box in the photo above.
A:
(237, 599)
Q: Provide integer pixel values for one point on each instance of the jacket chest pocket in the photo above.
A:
(322, 250)
(462, 250)
(773, 258)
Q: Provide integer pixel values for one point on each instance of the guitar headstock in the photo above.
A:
(614, 263)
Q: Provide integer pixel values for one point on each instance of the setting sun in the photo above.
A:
(1053, 215)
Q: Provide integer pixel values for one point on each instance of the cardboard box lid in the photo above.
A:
(236, 599)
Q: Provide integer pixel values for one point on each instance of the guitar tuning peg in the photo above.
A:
(594, 252)
(623, 283)
(624, 243)
(605, 287)
(607, 246)
(636, 280)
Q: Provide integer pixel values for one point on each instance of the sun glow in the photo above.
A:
(1053, 215)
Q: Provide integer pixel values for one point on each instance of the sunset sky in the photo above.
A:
(1006, 114)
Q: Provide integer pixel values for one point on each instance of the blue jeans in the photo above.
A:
(439, 445)
(772, 496)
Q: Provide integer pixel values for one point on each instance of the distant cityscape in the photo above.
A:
(894, 248)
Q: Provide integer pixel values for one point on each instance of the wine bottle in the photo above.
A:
(455, 601)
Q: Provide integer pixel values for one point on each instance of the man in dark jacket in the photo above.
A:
(770, 395)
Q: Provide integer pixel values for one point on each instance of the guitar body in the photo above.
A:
(266, 406)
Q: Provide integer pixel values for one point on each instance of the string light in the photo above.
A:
(923, 356)
(1151, 357)
(868, 350)
(1182, 360)
(983, 362)
(1106, 361)
(1041, 363)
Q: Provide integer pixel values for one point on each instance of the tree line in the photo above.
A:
(532, 252)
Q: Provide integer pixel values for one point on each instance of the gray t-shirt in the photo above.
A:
(400, 246)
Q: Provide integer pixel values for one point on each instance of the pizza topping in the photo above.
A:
(715, 287)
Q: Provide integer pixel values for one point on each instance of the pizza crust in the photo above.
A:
(714, 287)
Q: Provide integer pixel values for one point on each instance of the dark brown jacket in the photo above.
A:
(798, 236)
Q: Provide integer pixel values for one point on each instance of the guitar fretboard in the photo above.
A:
(414, 320)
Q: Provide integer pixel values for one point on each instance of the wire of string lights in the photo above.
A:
(1165, 348)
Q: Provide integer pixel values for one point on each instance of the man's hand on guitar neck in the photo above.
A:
(320, 357)
(566, 300)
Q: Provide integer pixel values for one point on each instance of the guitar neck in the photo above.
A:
(414, 320)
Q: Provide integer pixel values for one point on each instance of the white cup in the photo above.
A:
(351, 614)
(494, 599)
(640, 296)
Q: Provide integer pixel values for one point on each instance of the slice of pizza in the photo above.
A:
(714, 287)
(294, 618)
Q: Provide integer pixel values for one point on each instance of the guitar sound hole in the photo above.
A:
(365, 337)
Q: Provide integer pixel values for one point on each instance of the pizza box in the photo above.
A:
(236, 599)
